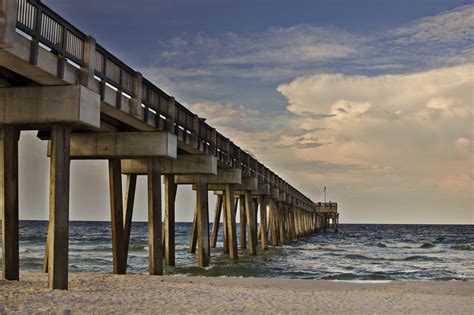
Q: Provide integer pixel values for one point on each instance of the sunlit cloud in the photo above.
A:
(388, 133)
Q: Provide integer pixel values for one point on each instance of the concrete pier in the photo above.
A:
(90, 105)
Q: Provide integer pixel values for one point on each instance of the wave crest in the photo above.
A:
(469, 247)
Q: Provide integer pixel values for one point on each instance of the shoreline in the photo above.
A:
(105, 293)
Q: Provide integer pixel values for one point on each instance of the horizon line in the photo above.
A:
(239, 222)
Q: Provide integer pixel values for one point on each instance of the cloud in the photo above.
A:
(295, 44)
(456, 25)
(196, 65)
(385, 115)
(407, 124)
(463, 142)
(272, 54)
(256, 131)
(445, 90)
(406, 128)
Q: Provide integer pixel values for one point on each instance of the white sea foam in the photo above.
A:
(364, 281)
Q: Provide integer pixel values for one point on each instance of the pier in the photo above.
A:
(87, 104)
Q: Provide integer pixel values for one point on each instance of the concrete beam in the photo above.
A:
(224, 176)
(185, 164)
(263, 189)
(275, 193)
(8, 14)
(124, 145)
(247, 184)
(33, 106)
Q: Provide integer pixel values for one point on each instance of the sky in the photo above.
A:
(373, 99)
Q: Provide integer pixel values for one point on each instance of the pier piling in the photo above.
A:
(9, 182)
(217, 217)
(263, 223)
(252, 231)
(202, 207)
(116, 214)
(231, 226)
(243, 222)
(58, 241)
(130, 189)
(154, 218)
(169, 220)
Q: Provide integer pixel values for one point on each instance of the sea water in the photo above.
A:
(358, 252)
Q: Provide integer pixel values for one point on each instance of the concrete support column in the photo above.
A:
(136, 100)
(59, 209)
(202, 206)
(289, 234)
(263, 224)
(231, 226)
(116, 213)
(281, 222)
(225, 232)
(273, 222)
(255, 218)
(252, 230)
(217, 217)
(86, 75)
(171, 115)
(129, 201)
(195, 134)
(243, 222)
(298, 223)
(8, 12)
(193, 239)
(9, 186)
(169, 226)
(154, 218)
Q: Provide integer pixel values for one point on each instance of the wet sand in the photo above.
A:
(106, 293)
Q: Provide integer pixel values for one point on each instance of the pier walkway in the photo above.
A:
(88, 104)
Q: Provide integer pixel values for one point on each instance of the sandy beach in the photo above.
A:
(106, 293)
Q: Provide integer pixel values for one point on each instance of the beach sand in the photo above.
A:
(105, 293)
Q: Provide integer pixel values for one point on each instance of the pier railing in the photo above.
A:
(48, 30)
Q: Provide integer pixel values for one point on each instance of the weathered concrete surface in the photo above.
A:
(247, 184)
(17, 58)
(275, 193)
(8, 13)
(58, 238)
(263, 189)
(224, 176)
(326, 207)
(9, 202)
(31, 106)
(123, 145)
(185, 164)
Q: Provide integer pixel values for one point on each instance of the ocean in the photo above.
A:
(358, 252)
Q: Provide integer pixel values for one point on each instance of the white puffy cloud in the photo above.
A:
(407, 123)
(373, 137)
